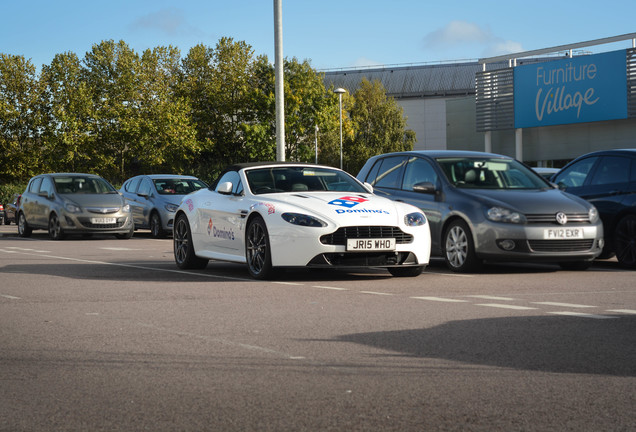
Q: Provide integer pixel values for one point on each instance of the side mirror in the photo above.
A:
(225, 188)
(424, 187)
(368, 187)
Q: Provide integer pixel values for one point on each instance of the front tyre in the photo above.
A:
(24, 230)
(156, 231)
(406, 271)
(55, 229)
(459, 248)
(625, 241)
(184, 253)
(257, 249)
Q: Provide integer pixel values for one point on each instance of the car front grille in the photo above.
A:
(341, 236)
(561, 245)
(542, 218)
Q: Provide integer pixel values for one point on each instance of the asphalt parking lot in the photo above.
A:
(107, 334)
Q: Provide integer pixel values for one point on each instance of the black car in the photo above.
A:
(11, 210)
(608, 180)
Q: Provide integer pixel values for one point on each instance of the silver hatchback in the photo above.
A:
(154, 198)
(484, 206)
(73, 203)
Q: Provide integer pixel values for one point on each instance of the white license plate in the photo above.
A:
(385, 244)
(563, 233)
(103, 221)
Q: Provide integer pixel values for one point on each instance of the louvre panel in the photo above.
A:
(495, 100)
(360, 232)
(551, 218)
(560, 245)
(631, 82)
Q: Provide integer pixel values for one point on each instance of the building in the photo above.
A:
(470, 105)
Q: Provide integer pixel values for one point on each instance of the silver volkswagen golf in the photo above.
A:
(73, 203)
(484, 206)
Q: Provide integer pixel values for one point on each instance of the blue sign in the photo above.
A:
(575, 90)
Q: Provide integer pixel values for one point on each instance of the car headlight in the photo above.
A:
(126, 208)
(501, 214)
(171, 207)
(415, 219)
(72, 208)
(592, 214)
(303, 220)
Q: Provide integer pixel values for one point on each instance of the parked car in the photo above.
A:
(2, 214)
(545, 172)
(607, 179)
(154, 199)
(275, 215)
(484, 206)
(11, 210)
(73, 203)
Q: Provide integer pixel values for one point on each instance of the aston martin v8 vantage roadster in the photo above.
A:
(277, 215)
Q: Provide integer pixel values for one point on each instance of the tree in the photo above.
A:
(68, 107)
(379, 126)
(20, 153)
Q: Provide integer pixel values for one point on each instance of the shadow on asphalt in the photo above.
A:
(538, 343)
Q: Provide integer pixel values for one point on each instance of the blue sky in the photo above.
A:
(329, 33)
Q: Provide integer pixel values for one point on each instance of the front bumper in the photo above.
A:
(82, 223)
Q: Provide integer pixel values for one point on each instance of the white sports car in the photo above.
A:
(276, 214)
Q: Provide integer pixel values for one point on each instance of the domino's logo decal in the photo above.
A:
(348, 201)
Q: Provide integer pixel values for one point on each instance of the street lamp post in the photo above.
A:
(316, 144)
(339, 91)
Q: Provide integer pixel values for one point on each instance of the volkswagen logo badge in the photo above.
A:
(561, 218)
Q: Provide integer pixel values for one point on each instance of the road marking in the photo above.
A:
(563, 304)
(330, 288)
(441, 299)
(26, 249)
(376, 293)
(504, 306)
(625, 311)
(288, 283)
(10, 297)
(119, 249)
(583, 315)
(486, 297)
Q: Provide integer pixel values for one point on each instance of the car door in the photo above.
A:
(223, 217)
(129, 191)
(29, 201)
(421, 188)
(142, 204)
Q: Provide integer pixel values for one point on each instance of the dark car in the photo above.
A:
(484, 206)
(608, 180)
(11, 210)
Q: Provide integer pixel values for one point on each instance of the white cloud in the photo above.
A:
(169, 21)
(470, 37)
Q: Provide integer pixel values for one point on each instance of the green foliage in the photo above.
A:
(119, 113)
(8, 190)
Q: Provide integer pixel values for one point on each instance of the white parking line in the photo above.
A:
(563, 304)
(505, 306)
(625, 311)
(10, 297)
(376, 293)
(19, 249)
(583, 315)
(288, 283)
(330, 288)
(486, 297)
(441, 299)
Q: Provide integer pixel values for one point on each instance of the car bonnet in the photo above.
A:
(535, 201)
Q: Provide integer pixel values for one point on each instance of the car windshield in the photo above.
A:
(300, 179)
(486, 173)
(82, 185)
(177, 186)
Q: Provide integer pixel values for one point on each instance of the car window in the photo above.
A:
(490, 173)
(610, 170)
(232, 177)
(131, 185)
(418, 171)
(575, 174)
(34, 187)
(145, 187)
(390, 172)
(300, 179)
(177, 186)
(47, 186)
(78, 184)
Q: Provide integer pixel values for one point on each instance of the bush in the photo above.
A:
(7, 191)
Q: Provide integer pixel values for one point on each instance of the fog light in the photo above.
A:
(601, 243)
(507, 245)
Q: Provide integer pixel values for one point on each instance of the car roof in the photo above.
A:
(66, 174)
(170, 176)
(239, 166)
(612, 152)
(446, 153)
